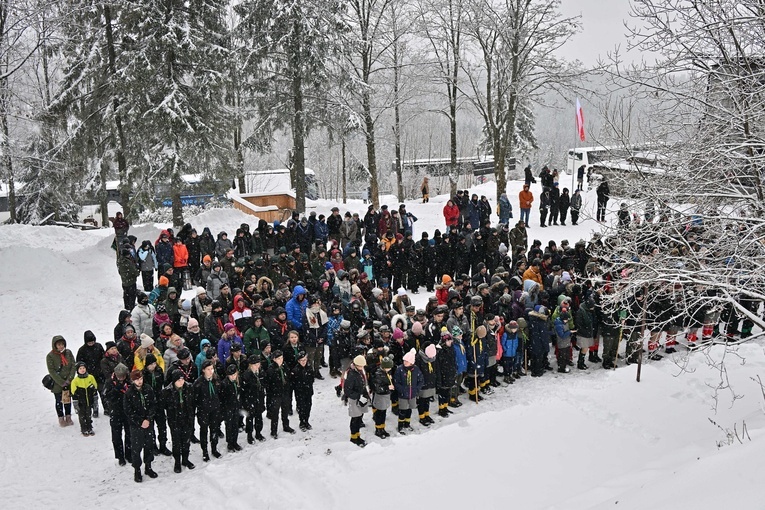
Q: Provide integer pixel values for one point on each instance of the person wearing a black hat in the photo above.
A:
(91, 353)
(84, 390)
(179, 403)
(115, 388)
(278, 394)
(301, 380)
(206, 391)
(140, 406)
(253, 398)
(230, 405)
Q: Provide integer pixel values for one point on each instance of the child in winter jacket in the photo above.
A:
(510, 351)
(84, 389)
(563, 334)
(408, 381)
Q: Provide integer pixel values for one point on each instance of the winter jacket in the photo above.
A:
(277, 384)
(408, 381)
(584, 322)
(107, 365)
(224, 346)
(60, 366)
(474, 214)
(460, 356)
(127, 266)
(295, 308)
(143, 316)
(114, 393)
(147, 259)
(253, 394)
(576, 202)
(229, 398)
(563, 333)
(222, 246)
(179, 406)
(202, 356)
(539, 331)
(451, 215)
(446, 366)
(180, 256)
(84, 389)
(214, 282)
(526, 198)
(509, 343)
(518, 238)
(301, 379)
(164, 253)
(139, 405)
(206, 399)
(504, 209)
(354, 386)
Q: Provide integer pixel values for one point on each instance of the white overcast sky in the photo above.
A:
(602, 28)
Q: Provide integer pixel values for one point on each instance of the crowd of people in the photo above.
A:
(274, 306)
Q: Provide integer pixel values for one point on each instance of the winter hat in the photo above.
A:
(376, 292)
(201, 290)
(254, 359)
(397, 334)
(386, 363)
(236, 347)
(161, 308)
(135, 374)
(345, 324)
(480, 331)
(565, 277)
(186, 305)
(175, 375)
(328, 265)
(276, 354)
(193, 324)
(89, 336)
(417, 328)
(401, 292)
(206, 258)
(184, 353)
(456, 331)
(146, 340)
(409, 356)
(150, 358)
(399, 237)
(522, 323)
(163, 281)
(430, 351)
(359, 361)
(228, 327)
(124, 330)
(110, 344)
(446, 279)
(121, 369)
(355, 289)
(231, 369)
(512, 325)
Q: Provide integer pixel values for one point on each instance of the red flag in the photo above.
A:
(579, 120)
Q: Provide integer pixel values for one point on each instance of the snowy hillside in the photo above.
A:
(565, 441)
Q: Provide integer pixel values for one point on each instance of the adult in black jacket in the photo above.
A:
(154, 377)
(193, 245)
(554, 201)
(301, 380)
(229, 403)
(446, 372)
(140, 405)
(604, 193)
(253, 398)
(564, 202)
(185, 364)
(114, 393)
(178, 401)
(91, 354)
(279, 394)
(207, 408)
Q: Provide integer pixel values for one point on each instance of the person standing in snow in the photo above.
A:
(526, 199)
(604, 193)
(504, 209)
(279, 394)
(576, 206)
(564, 202)
(84, 390)
(230, 405)
(91, 353)
(60, 363)
(356, 396)
(425, 190)
(116, 387)
(140, 405)
(178, 400)
(207, 408)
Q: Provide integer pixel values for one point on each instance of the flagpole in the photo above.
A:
(573, 156)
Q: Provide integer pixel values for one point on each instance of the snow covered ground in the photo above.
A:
(582, 440)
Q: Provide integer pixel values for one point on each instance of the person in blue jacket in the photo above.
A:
(296, 308)
(477, 358)
(202, 356)
(563, 341)
(510, 350)
(474, 212)
(461, 358)
(408, 381)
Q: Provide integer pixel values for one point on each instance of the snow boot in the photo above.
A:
(455, 402)
(250, 439)
(380, 433)
(564, 369)
(215, 452)
(205, 455)
(508, 379)
(164, 451)
(443, 413)
(596, 358)
(137, 476)
(289, 430)
(260, 437)
(424, 422)
(177, 467)
(150, 472)
(68, 420)
(355, 439)
(187, 464)
(303, 427)
(95, 412)
(580, 362)
(61, 421)
(121, 461)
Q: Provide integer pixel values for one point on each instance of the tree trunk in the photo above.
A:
(345, 191)
(371, 156)
(397, 125)
(5, 148)
(298, 141)
(126, 181)
(103, 195)
(176, 184)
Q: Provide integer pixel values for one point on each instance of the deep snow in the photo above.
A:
(582, 440)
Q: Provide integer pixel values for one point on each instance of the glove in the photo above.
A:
(363, 402)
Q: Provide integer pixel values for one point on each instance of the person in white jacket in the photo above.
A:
(143, 315)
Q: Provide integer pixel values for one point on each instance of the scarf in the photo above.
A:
(62, 355)
(315, 319)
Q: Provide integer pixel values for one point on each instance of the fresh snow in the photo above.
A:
(583, 440)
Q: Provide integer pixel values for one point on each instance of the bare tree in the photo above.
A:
(513, 65)
(694, 243)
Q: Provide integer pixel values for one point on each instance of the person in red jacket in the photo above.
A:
(180, 261)
(442, 291)
(451, 214)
